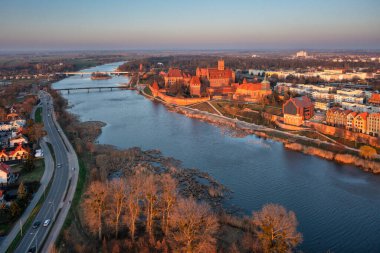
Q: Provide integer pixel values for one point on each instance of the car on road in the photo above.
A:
(32, 250)
(36, 224)
(46, 222)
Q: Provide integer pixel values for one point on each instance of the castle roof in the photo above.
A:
(175, 72)
(195, 80)
(303, 101)
(215, 73)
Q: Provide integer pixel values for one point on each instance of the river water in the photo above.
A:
(337, 206)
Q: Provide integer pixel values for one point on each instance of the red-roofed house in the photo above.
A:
(195, 86)
(5, 173)
(375, 99)
(298, 109)
(3, 156)
(350, 120)
(360, 122)
(19, 153)
(253, 92)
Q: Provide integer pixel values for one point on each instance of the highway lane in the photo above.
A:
(34, 237)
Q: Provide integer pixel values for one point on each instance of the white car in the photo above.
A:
(46, 222)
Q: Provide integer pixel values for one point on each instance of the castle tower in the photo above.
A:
(220, 64)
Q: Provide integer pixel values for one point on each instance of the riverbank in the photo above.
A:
(306, 145)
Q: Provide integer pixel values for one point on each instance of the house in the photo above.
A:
(19, 153)
(373, 124)
(18, 140)
(218, 77)
(195, 86)
(375, 99)
(3, 156)
(5, 173)
(298, 109)
(350, 120)
(253, 92)
(337, 117)
(360, 122)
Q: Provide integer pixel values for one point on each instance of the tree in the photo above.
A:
(117, 197)
(132, 203)
(150, 193)
(93, 206)
(29, 163)
(367, 152)
(193, 227)
(15, 209)
(169, 196)
(276, 228)
(22, 193)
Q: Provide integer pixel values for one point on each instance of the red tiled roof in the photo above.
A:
(5, 168)
(174, 72)
(18, 148)
(195, 80)
(216, 73)
(375, 98)
(155, 85)
(303, 101)
(249, 86)
(353, 114)
(363, 115)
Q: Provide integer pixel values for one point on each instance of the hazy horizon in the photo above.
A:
(192, 25)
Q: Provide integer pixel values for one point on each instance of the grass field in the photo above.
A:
(38, 115)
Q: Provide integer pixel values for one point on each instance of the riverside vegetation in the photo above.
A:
(141, 201)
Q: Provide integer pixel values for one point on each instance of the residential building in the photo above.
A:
(373, 124)
(5, 173)
(322, 105)
(360, 122)
(298, 109)
(337, 117)
(339, 98)
(350, 120)
(375, 99)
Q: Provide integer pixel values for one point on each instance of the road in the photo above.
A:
(55, 198)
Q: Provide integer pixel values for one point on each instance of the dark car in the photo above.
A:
(36, 224)
(32, 250)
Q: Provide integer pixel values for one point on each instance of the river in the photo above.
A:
(337, 206)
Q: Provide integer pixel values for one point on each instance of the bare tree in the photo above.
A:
(193, 227)
(169, 196)
(134, 184)
(117, 195)
(150, 192)
(93, 206)
(276, 228)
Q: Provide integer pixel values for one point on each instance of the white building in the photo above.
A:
(339, 99)
(360, 107)
(301, 54)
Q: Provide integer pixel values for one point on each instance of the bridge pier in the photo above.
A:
(88, 90)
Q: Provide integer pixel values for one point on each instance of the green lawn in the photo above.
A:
(34, 175)
(38, 115)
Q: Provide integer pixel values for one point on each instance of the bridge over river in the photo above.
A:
(98, 88)
(89, 73)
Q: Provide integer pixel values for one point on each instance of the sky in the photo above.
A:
(189, 24)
